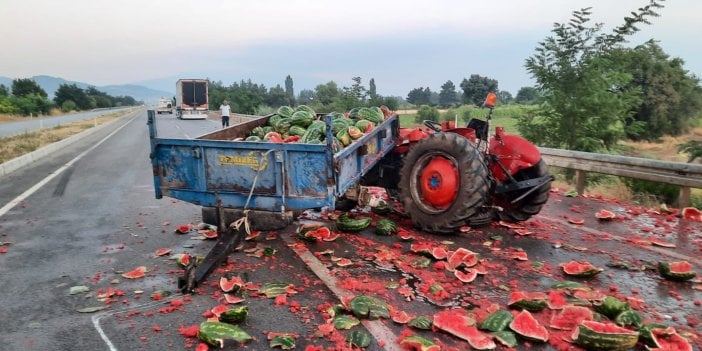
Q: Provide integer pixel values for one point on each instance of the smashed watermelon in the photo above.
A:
(593, 335)
(531, 301)
(138, 272)
(605, 215)
(462, 258)
(526, 326)
(692, 214)
(678, 270)
(456, 322)
(570, 317)
(668, 339)
(578, 269)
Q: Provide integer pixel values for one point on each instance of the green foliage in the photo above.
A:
(448, 96)
(504, 97)
(672, 97)
(68, 106)
(692, 148)
(527, 95)
(326, 93)
(26, 86)
(4, 92)
(6, 106)
(32, 104)
(306, 97)
(665, 193)
(476, 88)
(426, 112)
(419, 96)
(276, 96)
(587, 96)
(289, 91)
(74, 93)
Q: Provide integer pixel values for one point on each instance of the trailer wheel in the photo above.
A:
(531, 204)
(443, 183)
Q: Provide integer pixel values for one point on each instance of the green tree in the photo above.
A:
(504, 96)
(476, 88)
(4, 92)
(419, 96)
(672, 97)
(586, 99)
(527, 95)
(427, 112)
(289, 91)
(74, 93)
(447, 96)
(353, 96)
(306, 96)
(372, 93)
(327, 93)
(26, 86)
(277, 97)
(392, 103)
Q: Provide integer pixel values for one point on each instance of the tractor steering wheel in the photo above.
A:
(435, 126)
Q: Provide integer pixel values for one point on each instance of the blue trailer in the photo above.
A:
(227, 177)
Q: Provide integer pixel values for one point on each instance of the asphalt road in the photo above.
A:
(97, 217)
(34, 124)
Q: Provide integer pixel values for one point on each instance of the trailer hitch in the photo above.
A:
(195, 273)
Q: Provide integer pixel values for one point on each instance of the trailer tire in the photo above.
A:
(530, 205)
(444, 183)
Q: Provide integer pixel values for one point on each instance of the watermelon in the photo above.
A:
(646, 332)
(231, 284)
(354, 132)
(496, 321)
(531, 301)
(577, 269)
(138, 272)
(216, 333)
(456, 322)
(593, 335)
(369, 307)
(304, 228)
(462, 258)
(605, 215)
(669, 339)
(285, 111)
(692, 214)
(234, 315)
(344, 137)
(232, 299)
(400, 317)
(570, 317)
(208, 234)
(253, 138)
(183, 259)
(359, 338)
(466, 276)
(679, 270)
(526, 326)
(302, 119)
(439, 253)
(258, 132)
(364, 126)
(418, 343)
(611, 306)
(385, 226)
(629, 318)
(421, 322)
(422, 248)
(305, 108)
(163, 252)
(273, 137)
(183, 228)
(575, 220)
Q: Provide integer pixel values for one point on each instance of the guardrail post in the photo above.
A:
(580, 181)
(684, 197)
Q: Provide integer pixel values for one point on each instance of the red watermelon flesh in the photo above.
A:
(439, 253)
(528, 327)
(456, 322)
(462, 258)
(570, 317)
(605, 215)
(231, 284)
(578, 269)
(666, 341)
(466, 276)
(692, 214)
(135, 273)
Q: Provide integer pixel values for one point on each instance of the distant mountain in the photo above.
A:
(138, 92)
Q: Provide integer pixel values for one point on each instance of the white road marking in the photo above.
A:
(14, 202)
(656, 249)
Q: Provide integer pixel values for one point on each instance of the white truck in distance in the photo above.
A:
(191, 98)
(164, 106)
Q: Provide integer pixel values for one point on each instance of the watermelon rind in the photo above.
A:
(669, 339)
(629, 318)
(530, 301)
(611, 306)
(526, 326)
(496, 321)
(604, 336)
(457, 323)
(421, 322)
(580, 269)
(359, 338)
(234, 315)
(369, 307)
(344, 322)
(416, 342)
(678, 270)
(216, 333)
(506, 337)
(285, 342)
(645, 332)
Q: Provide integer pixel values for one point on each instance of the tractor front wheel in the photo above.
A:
(443, 183)
(530, 204)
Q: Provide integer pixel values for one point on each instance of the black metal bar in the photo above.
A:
(224, 246)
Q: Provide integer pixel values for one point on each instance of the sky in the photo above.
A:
(401, 44)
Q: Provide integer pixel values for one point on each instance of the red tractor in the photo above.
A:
(449, 177)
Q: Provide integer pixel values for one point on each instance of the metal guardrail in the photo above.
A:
(685, 175)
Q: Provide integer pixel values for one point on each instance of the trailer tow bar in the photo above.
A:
(226, 243)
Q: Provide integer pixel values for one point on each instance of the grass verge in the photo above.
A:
(22, 144)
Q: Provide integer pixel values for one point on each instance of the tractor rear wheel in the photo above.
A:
(443, 183)
(531, 204)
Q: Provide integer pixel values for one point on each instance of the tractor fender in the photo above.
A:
(513, 152)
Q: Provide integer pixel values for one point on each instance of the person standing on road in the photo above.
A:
(224, 111)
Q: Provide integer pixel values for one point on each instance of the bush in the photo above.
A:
(426, 112)
(665, 193)
(68, 106)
